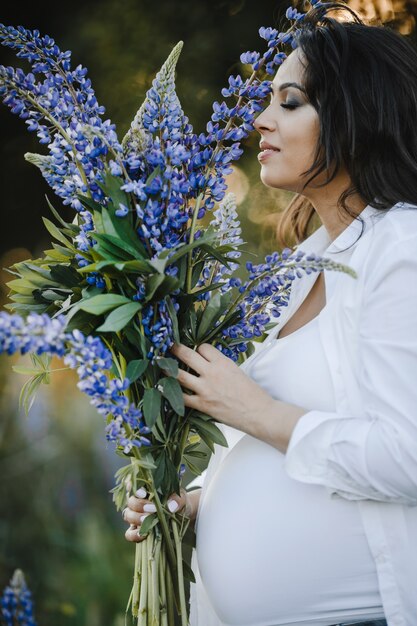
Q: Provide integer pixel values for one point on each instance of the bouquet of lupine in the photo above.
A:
(16, 605)
(141, 268)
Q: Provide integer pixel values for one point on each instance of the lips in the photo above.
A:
(267, 150)
(264, 145)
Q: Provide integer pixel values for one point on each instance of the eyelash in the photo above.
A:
(289, 105)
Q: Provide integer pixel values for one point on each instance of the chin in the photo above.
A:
(270, 179)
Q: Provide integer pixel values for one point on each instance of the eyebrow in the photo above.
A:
(286, 85)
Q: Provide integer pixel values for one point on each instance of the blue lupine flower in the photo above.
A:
(40, 334)
(16, 605)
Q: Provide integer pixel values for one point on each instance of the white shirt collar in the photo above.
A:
(320, 242)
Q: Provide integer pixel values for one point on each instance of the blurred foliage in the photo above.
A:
(57, 518)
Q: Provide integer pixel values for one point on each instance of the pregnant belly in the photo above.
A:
(272, 550)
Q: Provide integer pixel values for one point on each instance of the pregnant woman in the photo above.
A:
(309, 517)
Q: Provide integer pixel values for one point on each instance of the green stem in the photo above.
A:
(183, 605)
(136, 580)
(192, 232)
(150, 599)
(143, 609)
(156, 566)
(162, 588)
(165, 530)
(170, 596)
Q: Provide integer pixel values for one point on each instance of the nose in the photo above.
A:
(264, 122)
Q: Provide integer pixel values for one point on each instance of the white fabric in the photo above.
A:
(365, 450)
(313, 563)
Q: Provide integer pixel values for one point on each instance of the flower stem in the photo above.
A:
(143, 611)
(162, 588)
(151, 590)
(183, 605)
(136, 580)
(155, 567)
(192, 232)
(170, 597)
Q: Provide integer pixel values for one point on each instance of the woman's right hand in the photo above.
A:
(139, 506)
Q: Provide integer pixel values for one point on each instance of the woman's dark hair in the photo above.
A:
(362, 80)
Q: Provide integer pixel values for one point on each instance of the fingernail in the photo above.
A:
(143, 517)
(150, 508)
(172, 505)
(141, 493)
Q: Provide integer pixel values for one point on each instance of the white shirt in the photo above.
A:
(271, 550)
(366, 450)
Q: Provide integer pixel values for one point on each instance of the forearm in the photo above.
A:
(274, 422)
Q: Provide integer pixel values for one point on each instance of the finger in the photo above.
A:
(134, 518)
(175, 503)
(136, 504)
(132, 535)
(209, 352)
(188, 380)
(190, 357)
(192, 401)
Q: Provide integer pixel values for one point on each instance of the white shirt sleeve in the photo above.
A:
(373, 455)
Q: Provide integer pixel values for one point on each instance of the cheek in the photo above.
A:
(302, 135)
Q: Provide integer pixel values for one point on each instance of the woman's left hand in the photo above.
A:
(220, 388)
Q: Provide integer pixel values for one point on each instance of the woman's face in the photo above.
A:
(289, 129)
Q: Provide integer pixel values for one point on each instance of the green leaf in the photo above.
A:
(210, 429)
(151, 406)
(185, 248)
(148, 523)
(172, 391)
(188, 572)
(97, 305)
(120, 317)
(169, 365)
(136, 368)
(65, 275)
(174, 320)
(160, 285)
(121, 247)
(57, 234)
(59, 218)
(215, 308)
(20, 285)
(26, 371)
(29, 389)
(137, 266)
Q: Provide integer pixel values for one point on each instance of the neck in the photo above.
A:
(324, 201)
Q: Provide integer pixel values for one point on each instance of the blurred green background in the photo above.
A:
(57, 519)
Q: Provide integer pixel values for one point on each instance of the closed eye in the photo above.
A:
(289, 105)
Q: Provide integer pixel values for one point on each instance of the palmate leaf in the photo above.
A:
(151, 406)
(169, 365)
(172, 391)
(127, 481)
(97, 305)
(174, 319)
(40, 374)
(207, 430)
(118, 318)
(215, 308)
(57, 234)
(136, 368)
